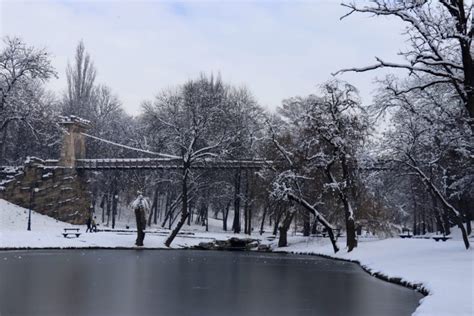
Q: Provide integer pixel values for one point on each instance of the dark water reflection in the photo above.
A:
(151, 282)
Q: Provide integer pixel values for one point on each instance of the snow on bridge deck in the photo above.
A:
(167, 163)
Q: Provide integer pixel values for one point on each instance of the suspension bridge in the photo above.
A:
(74, 152)
(60, 187)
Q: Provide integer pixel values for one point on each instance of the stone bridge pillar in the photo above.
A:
(74, 145)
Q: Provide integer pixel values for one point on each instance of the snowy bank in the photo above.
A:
(444, 269)
(47, 232)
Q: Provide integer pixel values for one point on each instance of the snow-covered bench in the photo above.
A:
(72, 232)
(406, 233)
(443, 238)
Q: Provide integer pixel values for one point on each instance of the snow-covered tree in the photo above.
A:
(432, 141)
(440, 52)
(193, 120)
(23, 70)
(339, 127)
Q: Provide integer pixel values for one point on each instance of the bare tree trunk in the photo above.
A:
(467, 215)
(2, 146)
(114, 207)
(190, 216)
(351, 239)
(171, 206)
(277, 220)
(318, 216)
(246, 205)
(207, 217)
(103, 206)
(314, 227)
(184, 210)
(153, 208)
(437, 215)
(283, 229)
(306, 224)
(109, 205)
(415, 211)
(265, 209)
(167, 209)
(225, 215)
(453, 212)
(423, 224)
(236, 224)
(156, 201)
(446, 222)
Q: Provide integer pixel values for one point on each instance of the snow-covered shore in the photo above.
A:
(444, 269)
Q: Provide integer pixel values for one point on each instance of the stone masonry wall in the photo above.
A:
(62, 193)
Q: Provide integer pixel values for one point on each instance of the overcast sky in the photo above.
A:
(276, 49)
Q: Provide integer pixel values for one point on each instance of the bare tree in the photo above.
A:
(194, 121)
(440, 33)
(294, 176)
(22, 71)
(435, 149)
(80, 84)
(330, 130)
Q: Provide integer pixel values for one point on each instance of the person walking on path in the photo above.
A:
(141, 206)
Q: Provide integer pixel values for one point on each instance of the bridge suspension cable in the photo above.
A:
(129, 147)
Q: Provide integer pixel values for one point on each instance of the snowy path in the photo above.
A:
(445, 269)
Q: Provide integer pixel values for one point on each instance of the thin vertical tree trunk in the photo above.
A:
(467, 215)
(152, 214)
(262, 224)
(157, 202)
(236, 223)
(114, 207)
(184, 210)
(246, 204)
(102, 205)
(423, 223)
(277, 220)
(207, 217)
(314, 227)
(306, 224)
(167, 209)
(109, 205)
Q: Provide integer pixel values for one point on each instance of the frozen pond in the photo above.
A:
(186, 282)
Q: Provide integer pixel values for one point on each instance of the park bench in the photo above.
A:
(443, 238)
(405, 233)
(72, 232)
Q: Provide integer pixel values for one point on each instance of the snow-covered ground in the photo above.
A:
(46, 232)
(444, 269)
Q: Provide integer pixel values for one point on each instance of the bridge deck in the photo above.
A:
(166, 163)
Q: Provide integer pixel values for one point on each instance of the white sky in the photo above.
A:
(276, 49)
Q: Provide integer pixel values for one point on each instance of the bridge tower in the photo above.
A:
(74, 145)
